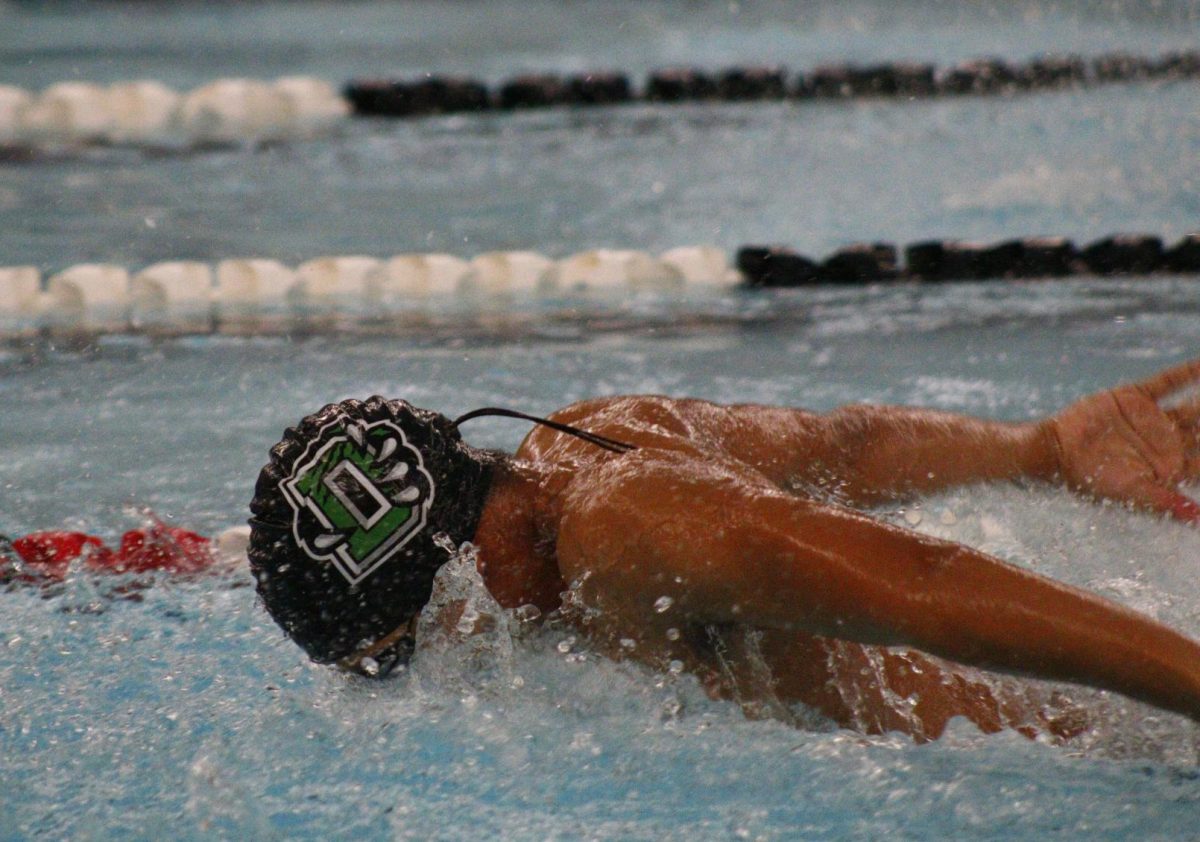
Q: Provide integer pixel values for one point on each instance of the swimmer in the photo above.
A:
(731, 537)
(48, 557)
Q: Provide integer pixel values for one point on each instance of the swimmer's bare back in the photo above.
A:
(735, 519)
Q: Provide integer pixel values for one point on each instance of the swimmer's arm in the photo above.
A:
(866, 454)
(725, 546)
(1134, 444)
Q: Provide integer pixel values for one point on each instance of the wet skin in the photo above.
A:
(730, 542)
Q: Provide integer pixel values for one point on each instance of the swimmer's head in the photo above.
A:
(352, 519)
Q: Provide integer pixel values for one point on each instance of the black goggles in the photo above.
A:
(386, 655)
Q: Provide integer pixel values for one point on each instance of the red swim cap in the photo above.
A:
(161, 547)
(49, 554)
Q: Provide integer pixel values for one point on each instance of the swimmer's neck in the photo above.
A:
(516, 552)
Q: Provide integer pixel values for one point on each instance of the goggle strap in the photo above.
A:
(600, 441)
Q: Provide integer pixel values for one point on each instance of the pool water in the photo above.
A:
(184, 710)
(1080, 164)
(189, 709)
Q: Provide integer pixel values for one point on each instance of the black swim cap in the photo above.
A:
(346, 513)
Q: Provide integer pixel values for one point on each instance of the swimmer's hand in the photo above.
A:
(1123, 445)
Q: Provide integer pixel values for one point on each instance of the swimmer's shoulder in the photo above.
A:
(781, 442)
(644, 408)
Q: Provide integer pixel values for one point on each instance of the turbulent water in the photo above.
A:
(188, 708)
(130, 712)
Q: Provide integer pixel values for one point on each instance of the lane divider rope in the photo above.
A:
(248, 296)
(259, 295)
(957, 260)
(241, 111)
(901, 80)
(148, 113)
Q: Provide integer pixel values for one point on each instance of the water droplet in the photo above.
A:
(564, 645)
(468, 620)
(675, 667)
(369, 665)
(913, 517)
(663, 603)
(527, 613)
(628, 643)
(672, 634)
(948, 518)
(518, 682)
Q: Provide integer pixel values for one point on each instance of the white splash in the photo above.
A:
(464, 643)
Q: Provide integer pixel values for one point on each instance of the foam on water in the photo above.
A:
(187, 709)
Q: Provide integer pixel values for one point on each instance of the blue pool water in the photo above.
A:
(817, 176)
(189, 710)
(186, 712)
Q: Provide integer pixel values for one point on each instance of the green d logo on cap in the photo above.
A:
(358, 495)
